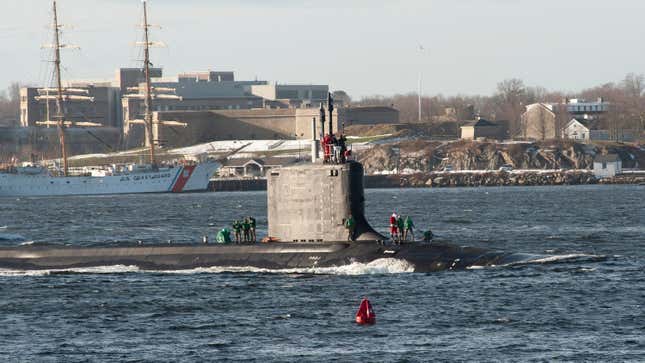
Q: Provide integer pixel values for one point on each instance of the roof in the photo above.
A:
(270, 161)
(606, 158)
(582, 122)
(481, 123)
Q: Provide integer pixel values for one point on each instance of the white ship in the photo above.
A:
(35, 180)
(39, 181)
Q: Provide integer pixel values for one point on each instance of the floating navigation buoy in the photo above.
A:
(365, 314)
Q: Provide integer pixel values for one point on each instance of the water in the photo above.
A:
(573, 310)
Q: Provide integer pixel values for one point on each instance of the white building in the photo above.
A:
(588, 110)
(606, 166)
(576, 130)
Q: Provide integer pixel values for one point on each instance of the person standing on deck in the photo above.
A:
(394, 235)
(399, 227)
(409, 228)
(237, 229)
(246, 229)
(252, 223)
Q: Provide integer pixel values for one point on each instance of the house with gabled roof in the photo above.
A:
(540, 121)
(579, 130)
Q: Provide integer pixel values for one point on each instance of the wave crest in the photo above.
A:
(379, 266)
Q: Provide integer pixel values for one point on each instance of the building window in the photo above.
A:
(604, 165)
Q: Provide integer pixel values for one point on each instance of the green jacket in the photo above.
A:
(399, 223)
(350, 223)
(224, 236)
(237, 226)
(252, 222)
(408, 223)
(246, 225)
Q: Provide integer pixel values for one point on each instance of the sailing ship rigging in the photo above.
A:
(35, 180)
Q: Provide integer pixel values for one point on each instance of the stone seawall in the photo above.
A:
(230, 185)
(475, 179)
(444, 179)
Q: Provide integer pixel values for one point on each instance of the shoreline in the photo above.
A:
(479, 178)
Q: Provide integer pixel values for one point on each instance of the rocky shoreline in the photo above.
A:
(494, 178)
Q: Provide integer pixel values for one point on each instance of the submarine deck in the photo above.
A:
(276, 255)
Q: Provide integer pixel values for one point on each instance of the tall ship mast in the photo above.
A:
(37, 180)
(59, 96)
(147, 92)
(147, 102)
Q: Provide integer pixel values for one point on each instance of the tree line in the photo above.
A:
(626, 99)
(10, 105)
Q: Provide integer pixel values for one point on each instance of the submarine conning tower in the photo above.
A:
(310, 203)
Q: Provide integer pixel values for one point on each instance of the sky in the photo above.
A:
(365, 47)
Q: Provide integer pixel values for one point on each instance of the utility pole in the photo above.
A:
(330, 107)
(419, 85)
(322, 121)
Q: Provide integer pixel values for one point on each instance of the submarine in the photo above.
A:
(307, 208)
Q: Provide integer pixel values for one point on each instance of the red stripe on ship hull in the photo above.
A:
(183, 178)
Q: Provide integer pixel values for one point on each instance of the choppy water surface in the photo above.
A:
(581, 309)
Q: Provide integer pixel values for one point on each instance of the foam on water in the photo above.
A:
(380, 266)
(545, 260)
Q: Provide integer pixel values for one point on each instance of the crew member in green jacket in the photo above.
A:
(237, 229)
(400, 225)
(224, 236)
(428, 236)
(350, 224)
(252, 223)
(246, 229)
(409, 228)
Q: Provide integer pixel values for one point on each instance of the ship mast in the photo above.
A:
(147, 102)
(59, 98)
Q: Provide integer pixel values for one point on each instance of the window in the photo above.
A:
(604, 165)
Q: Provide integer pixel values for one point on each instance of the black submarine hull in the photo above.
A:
(273, 256)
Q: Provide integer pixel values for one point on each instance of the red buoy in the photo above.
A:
(365, 314)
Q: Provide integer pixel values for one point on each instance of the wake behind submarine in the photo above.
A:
(307, 207)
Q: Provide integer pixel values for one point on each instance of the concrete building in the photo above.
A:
(586, 110)
(132, 77)
(369, 115)
(541, 121)
(607, 166)
(253, 124)
(482, 129)
(290, 95)
(105, 109)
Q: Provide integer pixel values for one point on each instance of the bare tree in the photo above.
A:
(511, 98)
(10, 105)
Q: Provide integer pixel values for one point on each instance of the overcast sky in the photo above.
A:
(365, 47)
